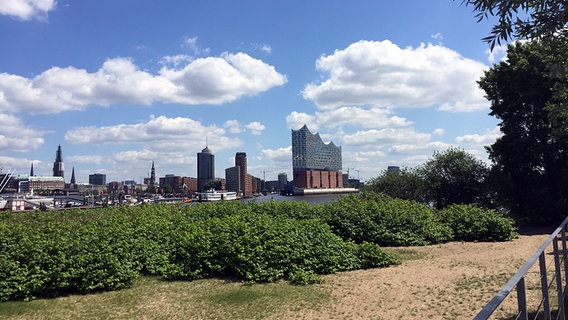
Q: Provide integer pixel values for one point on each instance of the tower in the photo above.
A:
(241, 163)
(32, 170)
(205, 168)
(153, 175)
(58, 170)
(73, 176)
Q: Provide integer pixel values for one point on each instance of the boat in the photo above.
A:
(214, 195)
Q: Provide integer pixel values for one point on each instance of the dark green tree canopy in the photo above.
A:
(454, 177)
(528, 19)
(404, 184)
(530, 159)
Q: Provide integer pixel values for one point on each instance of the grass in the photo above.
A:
(151, 298)
(405, 254)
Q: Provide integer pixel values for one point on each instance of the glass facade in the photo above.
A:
(309, 152)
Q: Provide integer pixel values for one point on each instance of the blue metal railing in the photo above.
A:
(550, 289)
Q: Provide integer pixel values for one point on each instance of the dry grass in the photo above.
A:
(448, 281)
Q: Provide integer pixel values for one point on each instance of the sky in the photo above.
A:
(121, 83)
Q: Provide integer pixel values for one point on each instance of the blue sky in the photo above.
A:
(119, 84)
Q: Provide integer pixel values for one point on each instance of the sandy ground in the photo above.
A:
(450, 281)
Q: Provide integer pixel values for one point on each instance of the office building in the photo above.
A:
(97, 179)
(315, 164)
(205, 168)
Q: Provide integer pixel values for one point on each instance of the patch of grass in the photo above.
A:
(152, 298)
(404, 254)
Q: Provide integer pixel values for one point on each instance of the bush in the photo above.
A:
(472, 223)
(386, 221)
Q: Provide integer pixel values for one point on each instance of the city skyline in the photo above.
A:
(119, 85)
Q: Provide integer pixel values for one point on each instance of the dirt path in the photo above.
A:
(450, 281)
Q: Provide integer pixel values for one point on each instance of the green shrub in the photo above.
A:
(472, 223)
(386, 221)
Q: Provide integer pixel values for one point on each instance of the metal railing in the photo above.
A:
(540, 292)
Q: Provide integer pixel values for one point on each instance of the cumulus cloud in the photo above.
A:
(85, 159)
(379, 138)
(381, 74)
(233, 126)
(15, 136)
(489, 137)
(296, 120)
(279, 155)
(161, 134)
(498, 53)
(438, 132)
(255, 127)
(211, 80)
(27, 9)
(350, 116)
(419, 148)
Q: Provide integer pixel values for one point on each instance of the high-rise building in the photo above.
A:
(58, 170)
(241, 162)
(97, 179)
(233, 179)
(205, 168)
(315, 164)
(282, 180)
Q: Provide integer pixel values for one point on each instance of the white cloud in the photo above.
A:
(499, 53)
(438, 132)
(160, 134)
(15, 136)
(279, 155)
(176, 61)
(381, 74)
(191, 43)
(119, 81)
(296, 120)
(438, 37)
(233, 126)
(27, 9)
(489, 137)
(429, 147)
(378, 138)
(255, 127)
(85, 159)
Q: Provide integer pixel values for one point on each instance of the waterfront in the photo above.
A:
(320, 198)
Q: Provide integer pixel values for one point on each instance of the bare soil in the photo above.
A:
(449, 281)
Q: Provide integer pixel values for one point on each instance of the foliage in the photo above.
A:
(454, 176)
(403, 184)
(530, 159)
(472, 223)
(385, 221)
(528, 19)
(46, 254)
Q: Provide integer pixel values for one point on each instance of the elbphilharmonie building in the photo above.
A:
(315, 163)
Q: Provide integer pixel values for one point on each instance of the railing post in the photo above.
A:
(544, 286)
(565, 259)
(522, 300)
(559, 289)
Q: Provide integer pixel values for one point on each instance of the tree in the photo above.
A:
(404, 184)
(528, 19)
(530, 159)
(454, 177)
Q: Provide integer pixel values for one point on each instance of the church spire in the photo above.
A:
(58, 164)
(153, 175)
(73, 176)
(32, 170)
